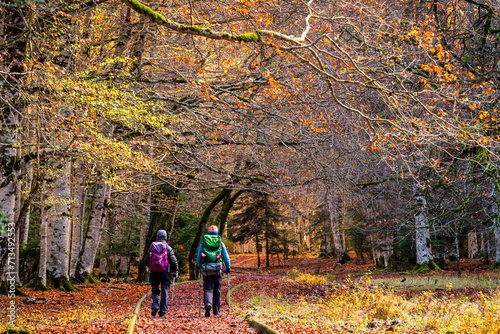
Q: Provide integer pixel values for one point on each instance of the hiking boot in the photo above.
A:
(207, 310)
(154, 311)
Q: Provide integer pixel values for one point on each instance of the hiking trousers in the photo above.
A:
(211, 291)
(160, 279)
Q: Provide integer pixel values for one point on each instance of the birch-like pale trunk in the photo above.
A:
(112, 230)
(59, 225)
(104, 248)
(8, 177)
(79, 202)
(102, 266)
(375, 251)
(124, 261)
(42, 268)
(143, 232)
(84, 267)
(12, 66)
(26, 223)
(496, 228)
(422, 234)
(387, 249)
(334, 223)
(172, 221)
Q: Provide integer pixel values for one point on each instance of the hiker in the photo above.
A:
(212, 255)
(163, 266)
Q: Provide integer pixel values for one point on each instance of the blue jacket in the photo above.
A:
(225, 256)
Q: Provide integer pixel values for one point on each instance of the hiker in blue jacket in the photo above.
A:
(162, 265)
(213, 260)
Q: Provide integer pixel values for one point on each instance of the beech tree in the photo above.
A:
(141, 95)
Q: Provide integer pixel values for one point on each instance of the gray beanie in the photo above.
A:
(161, 235)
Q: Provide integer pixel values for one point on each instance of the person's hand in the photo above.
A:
(175, 274)
(227, 270)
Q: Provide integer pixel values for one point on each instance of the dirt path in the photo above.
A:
(184, 316)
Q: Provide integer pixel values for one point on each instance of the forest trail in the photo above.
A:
(185, 316)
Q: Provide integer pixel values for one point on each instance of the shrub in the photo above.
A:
(311, 279)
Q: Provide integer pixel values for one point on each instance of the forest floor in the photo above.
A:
(297, 295)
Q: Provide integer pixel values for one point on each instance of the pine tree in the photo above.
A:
(257, 218)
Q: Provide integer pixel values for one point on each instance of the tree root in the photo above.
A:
(5, 290)
(85, 278)
(425, 267)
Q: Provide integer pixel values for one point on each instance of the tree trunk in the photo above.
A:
(387, 249)
(325, 247)
(104, 249)
(334, 223)
(172, 221)
(11, 57)
(85, 265)
(79, 203)
(18, 196)
(8, 177)
(257, 246)
(496, 232)
(124, 265)
(59, 227)
(124, 36)
(224, 212)
(375, 251)
(201, 228)
(495, 199)
(266, 235)
(472, 245)
(457, 247)
(138, 47)
(422, 235)
(42, 267)
(26, 222)
(496, 229)
(143, 231)
(483, 248)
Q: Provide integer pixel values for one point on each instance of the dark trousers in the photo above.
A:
(211, 291)
(157, 279)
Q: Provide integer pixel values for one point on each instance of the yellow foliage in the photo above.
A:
(356, 304)
(311, 279)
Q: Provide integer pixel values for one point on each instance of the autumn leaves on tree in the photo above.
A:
(146, 112)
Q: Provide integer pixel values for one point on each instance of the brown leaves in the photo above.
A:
(98, 308)
(184, 316)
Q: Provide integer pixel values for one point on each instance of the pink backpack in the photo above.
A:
(158, 258)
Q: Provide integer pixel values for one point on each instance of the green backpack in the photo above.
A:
(211, 255)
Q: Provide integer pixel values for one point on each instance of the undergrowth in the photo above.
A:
(82, 314)
(361, 307)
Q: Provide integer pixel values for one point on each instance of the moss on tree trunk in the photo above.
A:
(61, 283)
(85, 278)
(4, 290)
(426, 267)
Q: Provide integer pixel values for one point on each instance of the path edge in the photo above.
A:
(131, 324)
(261, 327)
(256, 324)
(133, 320)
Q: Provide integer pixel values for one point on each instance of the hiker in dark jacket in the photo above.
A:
(163, 266)
(212, 255)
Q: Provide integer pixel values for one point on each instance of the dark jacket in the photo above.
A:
(172, 260)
